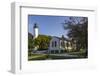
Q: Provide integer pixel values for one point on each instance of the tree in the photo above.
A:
(30, 41)
(77, 29)
(30, 44)
(42, 41)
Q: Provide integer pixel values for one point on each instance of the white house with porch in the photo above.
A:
(58, 44)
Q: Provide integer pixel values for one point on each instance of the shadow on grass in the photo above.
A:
(54, 57)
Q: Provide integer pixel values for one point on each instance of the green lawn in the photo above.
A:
(32, 56)
(79, 54)
(37, 57)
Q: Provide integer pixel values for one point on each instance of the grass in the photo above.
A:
(59, 57)
(81, 54)
(37, 57)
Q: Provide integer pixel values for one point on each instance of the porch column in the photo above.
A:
(59, 51)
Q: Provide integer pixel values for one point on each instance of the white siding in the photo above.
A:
(57, 44)
(35, 32)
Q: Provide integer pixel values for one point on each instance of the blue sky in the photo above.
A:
(48, 25)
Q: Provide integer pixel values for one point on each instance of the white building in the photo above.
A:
(35, 31)
(58, 44)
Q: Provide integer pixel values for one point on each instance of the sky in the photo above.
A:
(48, 25)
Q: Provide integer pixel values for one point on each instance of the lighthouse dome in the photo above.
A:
(35, 25)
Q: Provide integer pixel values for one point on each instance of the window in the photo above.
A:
(55, 43)
(52, 44)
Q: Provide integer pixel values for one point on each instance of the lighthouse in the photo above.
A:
(35, 30)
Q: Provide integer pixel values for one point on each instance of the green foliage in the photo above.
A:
(77, 29)
(30, 44)
(42, 42)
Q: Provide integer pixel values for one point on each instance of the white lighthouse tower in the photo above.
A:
(35, 30)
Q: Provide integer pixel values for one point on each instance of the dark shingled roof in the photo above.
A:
(30, 35)
(60, 38)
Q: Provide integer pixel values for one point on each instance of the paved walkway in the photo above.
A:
(40, 52)
(65, 54)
